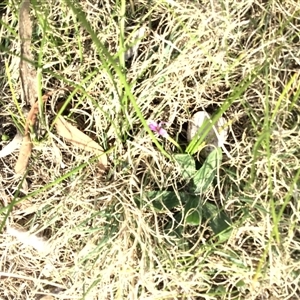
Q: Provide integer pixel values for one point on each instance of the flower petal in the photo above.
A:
(163, 132)
(153, 125)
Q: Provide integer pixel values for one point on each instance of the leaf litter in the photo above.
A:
(28, 77)
(26, 238)
(12, 146)
(80, 139)
(28, 73)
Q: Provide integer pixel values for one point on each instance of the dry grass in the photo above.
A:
(102, 244)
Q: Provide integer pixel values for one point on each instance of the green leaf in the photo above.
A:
(193, 211)
(240, 283)
(218, 220)
(205, 176)
(175, 228)
(163, 199)
(187, 165)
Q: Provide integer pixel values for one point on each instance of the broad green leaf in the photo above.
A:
(218, 220)
(193, 211)
(187, 165)
(163, 199)
(205, 176)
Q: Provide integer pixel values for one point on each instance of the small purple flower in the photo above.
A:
(158, 128)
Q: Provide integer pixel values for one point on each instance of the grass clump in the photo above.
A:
(147, 228)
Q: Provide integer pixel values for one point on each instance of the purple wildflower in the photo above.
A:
(158, 128)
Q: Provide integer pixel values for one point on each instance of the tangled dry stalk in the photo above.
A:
(97, 237)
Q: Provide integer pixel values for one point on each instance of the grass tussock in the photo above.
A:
(101, 237)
